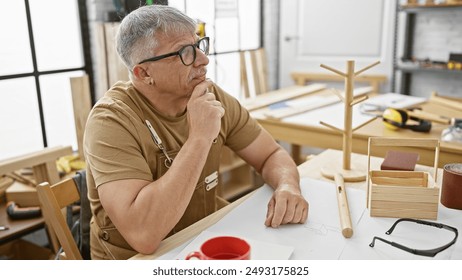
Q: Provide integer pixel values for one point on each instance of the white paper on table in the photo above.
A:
(332, 114)
(393, 100)
(319, 238)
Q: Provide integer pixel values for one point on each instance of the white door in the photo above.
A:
(331, 32)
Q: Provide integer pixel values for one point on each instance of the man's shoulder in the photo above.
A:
(118, 97)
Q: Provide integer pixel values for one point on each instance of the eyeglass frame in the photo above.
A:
(178, 53)
(426, 252)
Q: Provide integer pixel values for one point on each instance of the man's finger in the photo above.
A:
(305, 214)
(201, 88)
(279, 212)
(269, 213)
(290, 212)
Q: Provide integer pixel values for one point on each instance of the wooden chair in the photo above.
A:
(43, 164)
(53, 199)
(254, 73)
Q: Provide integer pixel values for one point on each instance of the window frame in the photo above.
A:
(36, 74)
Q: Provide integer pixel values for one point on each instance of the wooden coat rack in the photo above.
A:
(349, 171)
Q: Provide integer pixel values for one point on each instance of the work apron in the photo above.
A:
(108, 243)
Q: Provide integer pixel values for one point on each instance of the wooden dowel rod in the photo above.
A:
(359, 99)
(331, 127)
(343, 209)
(429, 116)
(366, 68)
(333, 70)
(363, 124)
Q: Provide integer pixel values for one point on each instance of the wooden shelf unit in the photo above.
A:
(410, 8)
(404, 70)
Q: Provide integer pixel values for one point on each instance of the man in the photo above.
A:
(153, 144)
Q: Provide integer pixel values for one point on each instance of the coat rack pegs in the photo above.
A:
(349, 173)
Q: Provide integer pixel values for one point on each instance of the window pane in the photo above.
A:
(19, 118)
(179, 4)
(203, 10)
(57, 34)
(58, 109)
(15, 55)
(227, 73)
(227, 34)
(249, 15)
(211, 68)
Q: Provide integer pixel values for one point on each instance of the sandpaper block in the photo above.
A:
(395, 160)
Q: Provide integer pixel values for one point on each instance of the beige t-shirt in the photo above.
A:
(118, 145)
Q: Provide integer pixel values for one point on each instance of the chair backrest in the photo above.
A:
(53, 199)
(254, 73)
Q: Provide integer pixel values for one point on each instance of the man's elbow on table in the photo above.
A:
(144, 244)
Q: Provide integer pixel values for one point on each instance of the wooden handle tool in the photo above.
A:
(343, 209)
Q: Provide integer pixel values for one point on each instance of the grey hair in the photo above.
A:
(135, 39)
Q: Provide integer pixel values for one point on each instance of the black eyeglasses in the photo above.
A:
(426, 253)
(187, 53)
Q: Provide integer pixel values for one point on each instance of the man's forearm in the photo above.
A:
(279, 169)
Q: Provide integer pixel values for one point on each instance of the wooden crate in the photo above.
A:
(402, 194)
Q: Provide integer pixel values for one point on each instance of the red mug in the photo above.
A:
(222, 248)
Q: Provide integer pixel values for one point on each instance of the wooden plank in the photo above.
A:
(279, 95)
(101, 74)
(33, 159)
(454, 103)
(262, 65)
(381, 194)
(81, 101)
(22, 195)
(244, 80)
(405, 213)
(428, 5)
(406, 142)
(408, 182)
(302, 78)
(404, 206)
(255, 73)
(5, 182)
(117, 71)
(46, 172)
(400, 178)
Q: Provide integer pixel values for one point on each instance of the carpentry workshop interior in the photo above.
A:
(364, 97)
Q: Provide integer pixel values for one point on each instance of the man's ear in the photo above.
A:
(141, 74)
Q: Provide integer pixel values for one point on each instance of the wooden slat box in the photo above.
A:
(403, 194)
